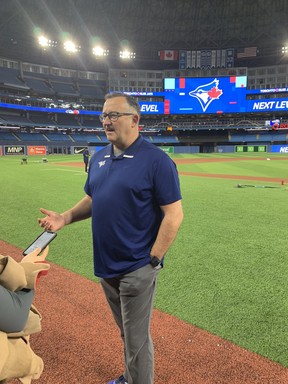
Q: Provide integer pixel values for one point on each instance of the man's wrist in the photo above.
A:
(67, 218)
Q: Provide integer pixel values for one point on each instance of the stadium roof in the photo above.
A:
(148, 25)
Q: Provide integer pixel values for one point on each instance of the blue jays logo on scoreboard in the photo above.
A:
(206, 93)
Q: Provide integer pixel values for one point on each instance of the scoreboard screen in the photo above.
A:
(205, 95)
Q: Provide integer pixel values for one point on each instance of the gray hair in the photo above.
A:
(132, 101)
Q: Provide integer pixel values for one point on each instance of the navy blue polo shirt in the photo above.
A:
(127, 192)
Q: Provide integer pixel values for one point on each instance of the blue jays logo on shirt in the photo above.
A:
(207, 93)
(101, 163)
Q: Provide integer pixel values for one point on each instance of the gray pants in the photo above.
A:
(130, 298)
(14, 309)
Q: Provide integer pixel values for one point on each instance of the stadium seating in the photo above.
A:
(254, 138)
(59, 137)
(39, 86)
(10, 78)
(32, 138)
(161, 139)
(68, 121)
(16, 120)
(8, 137)
(92, 89)
(64, 89)
(69, 93)
(91, 123)
(42, 120)
(88, 138)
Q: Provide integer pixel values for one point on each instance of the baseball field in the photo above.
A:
(224, 285)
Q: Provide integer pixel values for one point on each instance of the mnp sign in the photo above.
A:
(13, 150)
(279, 148)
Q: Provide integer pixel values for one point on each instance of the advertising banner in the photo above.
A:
(14, 150)
(279, 148)
(168, 149)
(79, 150)
(250, 148)
(36, 150)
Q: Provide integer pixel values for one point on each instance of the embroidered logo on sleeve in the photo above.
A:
(101, 163)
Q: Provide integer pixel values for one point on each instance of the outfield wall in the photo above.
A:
(40, 150)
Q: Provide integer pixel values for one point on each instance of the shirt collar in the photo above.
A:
(130, 151)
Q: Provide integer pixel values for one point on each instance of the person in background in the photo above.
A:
(18, 317)
(86, 156)
(133, 196)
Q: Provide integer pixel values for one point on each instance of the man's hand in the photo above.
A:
(52, 222)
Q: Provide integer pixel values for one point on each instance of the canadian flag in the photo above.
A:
(168, 55)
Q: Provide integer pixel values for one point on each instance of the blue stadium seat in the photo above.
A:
(39, 85)
(11, 78)
(31, 137)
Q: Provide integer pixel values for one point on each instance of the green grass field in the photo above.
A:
(226, 272)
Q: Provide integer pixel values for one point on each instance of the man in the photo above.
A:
(86, 155)
(133, 196)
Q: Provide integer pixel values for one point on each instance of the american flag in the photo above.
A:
(246, 52)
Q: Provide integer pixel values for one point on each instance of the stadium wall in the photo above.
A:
(32, 150)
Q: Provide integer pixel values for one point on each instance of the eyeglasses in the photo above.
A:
(113, 116)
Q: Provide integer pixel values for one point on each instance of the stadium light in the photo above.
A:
(71, 47)
(44, 42)
(284, 50)
(100, 52)
(127, 54)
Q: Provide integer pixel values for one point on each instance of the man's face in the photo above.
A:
(124, 131)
